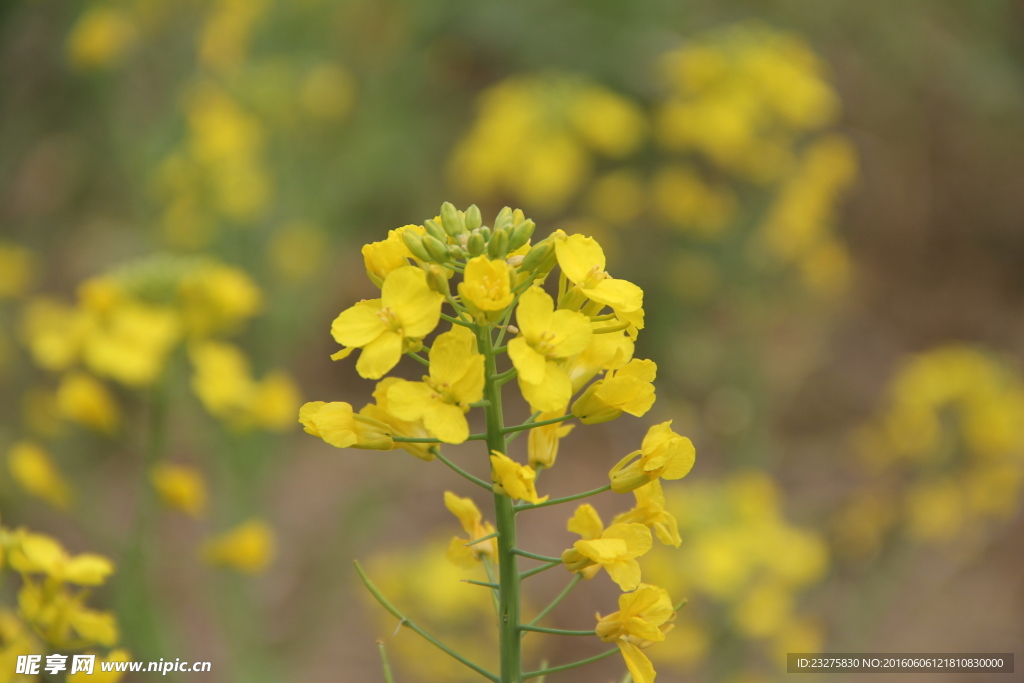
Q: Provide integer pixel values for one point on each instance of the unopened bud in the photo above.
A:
(512, 329)
(437, 279)
(451, 221)
(504, 219)
(435, 230)
(485, 232)
(515, 261)
(457, 251)
(473, 218)
(498, 246)
(415, 245)
(520, 234)
(537, 256)
(437, 249)
(476, 244)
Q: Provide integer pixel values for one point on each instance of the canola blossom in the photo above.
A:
(470, 279)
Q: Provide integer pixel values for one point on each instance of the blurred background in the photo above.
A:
(822, 202)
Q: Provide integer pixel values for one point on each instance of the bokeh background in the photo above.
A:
(821, 200)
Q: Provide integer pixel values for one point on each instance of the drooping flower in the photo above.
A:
(650, 511)
(469, 517)
(407, 310)
(62, 618)
(542, 447)
(442, 399)
(181, 487)
(663, 454)
(587, 523)
(248, 548)
(583, 262)
(643, 618)
(546, 335)
(616, 550)
(627, 390)
(338, 425)
(487, 284)
(40, 554)
(514, 480)
(381, 412)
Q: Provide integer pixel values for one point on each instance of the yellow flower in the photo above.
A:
(587, 523)
(381, 258)
(642, 619)
(216, 298)
(247, 548)
(339, 426)
(472, 523)
(17, 266)
(545, 336)
(39, 554)
(514, 480)
(56, 613)
(133, 343)
(487, 284)
(407, 311)
(35, 472)
(629, 389)
(222, 378)
(85, 400)
(606, 351)
(274, 402)
(381, 412)
(650, 511)
(616, 549)
(100, 38)
(663, 454)
(542, 446)
(583, 262)
(442, 399)
(54, 332)
(98, 675)
(181, 487)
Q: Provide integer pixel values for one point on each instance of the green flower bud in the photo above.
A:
(537, 256)
(476, 244)
(504, 219)
(436, 231)
(520, 234)
(457, 251)
(437, 279)
(451, 221)
(498, 246)
(473, 218)
(518, 217)
(485, 232)
(437, 249)
(415, 244)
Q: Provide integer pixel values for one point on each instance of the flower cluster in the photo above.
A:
(574, 342)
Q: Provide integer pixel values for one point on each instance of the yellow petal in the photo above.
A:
(586, 522)
(529, 364)
(625, 572)
(602, 550)
(414, 303)
(533, 313)
(621, 295)
(465, 510)
(408, 400)
(637, 537)
(88, 569)
(579, 257)
(552, 393)
(446, 422)
(380, 355)
(637, 663)
(359, 325)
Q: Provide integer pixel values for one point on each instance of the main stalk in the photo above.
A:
(508, 566)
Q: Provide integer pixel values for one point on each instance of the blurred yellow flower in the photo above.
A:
(85, 400)
(132, 345)
(34, 471)
(248, 548)
(181, 487)
(40, 554)
(17, 270)
(98, 675)
(100, 38)
(217, 298)
(62, 619)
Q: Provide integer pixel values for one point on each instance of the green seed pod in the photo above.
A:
(437, 280)
(504, 219)
(476, 244)
(473, 218)
(415, 244)
(498, 246)
(520, 234)
(537, 256)
(437, 249)
(451, 221)
(436, 231)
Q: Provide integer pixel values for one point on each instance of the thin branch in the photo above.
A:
(555, 631)
(577, 577)
(535, 556)
(457, 321)
(482, 539)
(537, 570)
(559, 501)
(384, 662)
(531, 425)
(418, 358)
(566, 667)
(415, 439)
(459, 470)
(485, 584)
(529, 420)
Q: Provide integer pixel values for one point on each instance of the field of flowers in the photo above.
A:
(391, 341)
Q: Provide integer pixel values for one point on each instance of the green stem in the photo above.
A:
(567, 499)
(535, 556)
(505, 376)
(577, 577)
(457, 321)
(455, 468)
(508, 564)
(537, 570)
(531, 425)
(489, 569)
(408, 623)
(482, 539)
(418, 358)
(566, 667)
(556, 631)
(529, 420)
(485, 584)
(388, 678)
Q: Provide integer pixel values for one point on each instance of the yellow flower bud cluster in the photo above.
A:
(945, 456)
(576, 340)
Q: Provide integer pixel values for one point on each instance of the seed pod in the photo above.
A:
(473, 218)
(498, 246)
(437, 280)
(504, 219)
(537, 256)
(476, 244)
(437, 249)
(415, 244)
(520, 234)
(436, 231)
(451, 221)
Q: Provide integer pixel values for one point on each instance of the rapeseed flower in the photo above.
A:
(181, 487)
(40, 554)
(542, 444)
(338, 425)
(487, 284)
(248, 548)
(642, 619)
(650, 511)
(629, 389)
(616, 550)
(663, 454)
(468, 514)
(583, 262)
(514, 480)
(34, 470)
(85, 400)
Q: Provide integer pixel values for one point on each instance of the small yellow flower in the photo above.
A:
(39, 554)
(546, 335)
(35, 472)
(62, 618)
(663, 454)
(17, 269)
(514, 480)
(629, 389)
(487, 284)
(583, 262)
(217, 298)
(472, 523)
(650, 511)
(85, 400)
(442, 399)
(100, 38)
(54, 332)
(587, 523)
(181, 487)
(616, 550)
(642, 619)
(381, 258)
(542, 447)
(339, 426)
(132, 345)
(248, 548)
(407, 311)
(381, 412)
